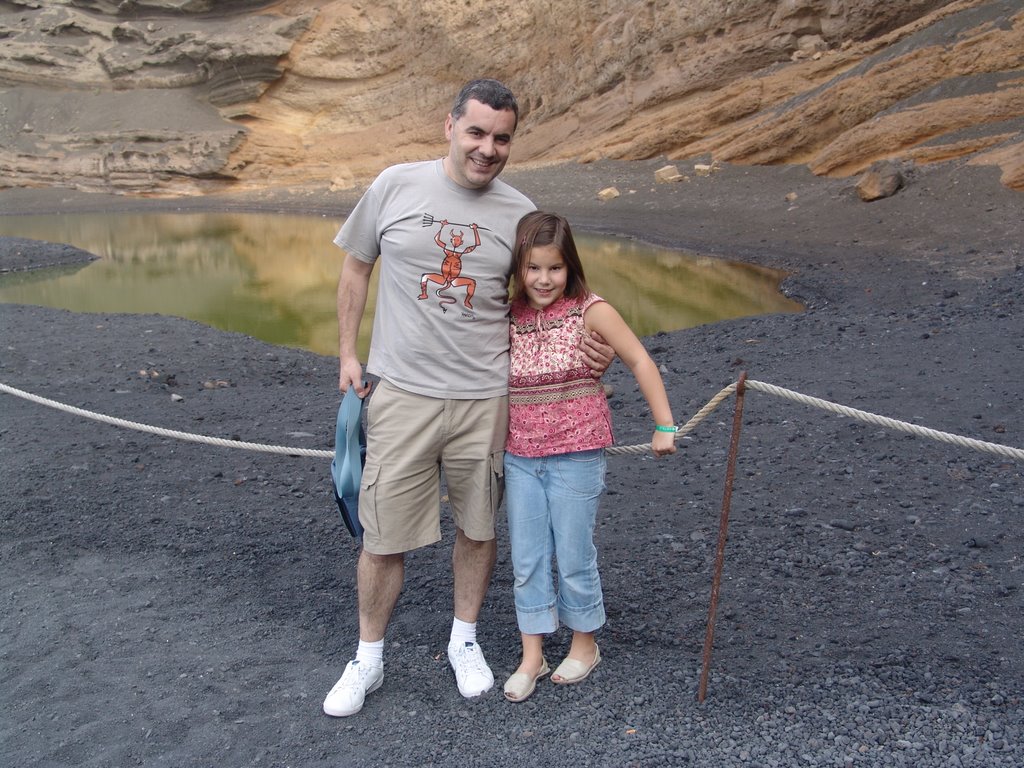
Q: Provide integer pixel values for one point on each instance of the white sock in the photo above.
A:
(462, 632)
(371, 654)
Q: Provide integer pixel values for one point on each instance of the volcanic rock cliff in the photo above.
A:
(187, 96)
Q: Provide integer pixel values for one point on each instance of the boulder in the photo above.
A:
(883, 179)
(668, 173)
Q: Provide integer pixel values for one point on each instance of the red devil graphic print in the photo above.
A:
(450, 275)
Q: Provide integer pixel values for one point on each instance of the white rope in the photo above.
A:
(166, 432)
(688, 427)
(902, 426)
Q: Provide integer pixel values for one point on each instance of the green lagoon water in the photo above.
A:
(274, 277)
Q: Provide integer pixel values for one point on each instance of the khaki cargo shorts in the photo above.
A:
(409, 438)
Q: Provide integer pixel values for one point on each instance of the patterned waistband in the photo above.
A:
(554, 391)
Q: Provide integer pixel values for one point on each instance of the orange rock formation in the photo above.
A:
(157, 96)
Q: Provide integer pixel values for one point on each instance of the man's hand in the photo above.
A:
(596, 353)
(351, 375)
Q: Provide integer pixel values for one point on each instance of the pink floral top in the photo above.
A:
(555, 405)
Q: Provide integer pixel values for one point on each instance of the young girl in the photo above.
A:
(559, 425)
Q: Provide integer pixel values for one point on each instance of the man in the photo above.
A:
(443, 231)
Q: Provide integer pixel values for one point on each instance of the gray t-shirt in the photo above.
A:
(440, 327)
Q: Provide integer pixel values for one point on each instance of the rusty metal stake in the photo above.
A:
(723, 532)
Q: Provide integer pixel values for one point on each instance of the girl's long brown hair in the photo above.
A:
(538, 228)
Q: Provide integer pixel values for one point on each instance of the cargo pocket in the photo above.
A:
(497, 480)
(368, 499)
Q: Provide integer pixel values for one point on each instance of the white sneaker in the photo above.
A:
(471, 671)
(347, 696)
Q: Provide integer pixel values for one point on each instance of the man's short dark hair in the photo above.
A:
(490, 92)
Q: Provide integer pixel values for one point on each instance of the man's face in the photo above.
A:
(480, 142)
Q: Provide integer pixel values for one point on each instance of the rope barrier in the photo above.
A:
(871, 418)
(688, 427)
(165, 432)
(883, 421)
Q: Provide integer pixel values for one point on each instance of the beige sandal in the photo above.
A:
(520, 686)
(573, 670)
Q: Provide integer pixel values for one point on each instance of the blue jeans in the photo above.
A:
(552, 507)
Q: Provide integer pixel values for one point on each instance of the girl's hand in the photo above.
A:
(663, 443)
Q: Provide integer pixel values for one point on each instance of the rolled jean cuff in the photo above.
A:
(589, 619)
(538, 621)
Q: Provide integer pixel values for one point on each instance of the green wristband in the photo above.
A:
(661, 428)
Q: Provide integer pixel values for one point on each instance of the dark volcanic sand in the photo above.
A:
(168, 603)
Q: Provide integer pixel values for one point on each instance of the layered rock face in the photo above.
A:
(189, 96)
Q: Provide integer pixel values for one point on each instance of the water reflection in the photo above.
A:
(274, 276)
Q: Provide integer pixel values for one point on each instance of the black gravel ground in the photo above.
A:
(167, 603)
